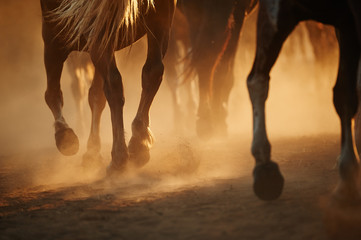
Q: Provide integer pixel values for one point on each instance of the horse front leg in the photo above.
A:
(66, 140)
(268, 181)
(97, 103)
(114, 93)
(152, 73)
(355, 6)
(345, 101)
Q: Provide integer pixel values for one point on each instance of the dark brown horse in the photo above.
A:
(101, 27)
(214, 30)
(276, 20)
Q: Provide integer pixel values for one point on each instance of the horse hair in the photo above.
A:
(104, 23)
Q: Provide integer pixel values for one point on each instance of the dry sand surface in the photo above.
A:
(189, 190)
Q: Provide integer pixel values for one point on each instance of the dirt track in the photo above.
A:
(188, 191)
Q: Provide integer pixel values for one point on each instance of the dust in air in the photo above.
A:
(299, 103)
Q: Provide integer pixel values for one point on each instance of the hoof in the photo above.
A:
(268, 181)
(138, 153)
(92, 161)
(204, 129)
(116, 169)
(67, 142)
(346, 194)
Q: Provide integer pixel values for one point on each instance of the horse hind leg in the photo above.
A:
(224, 76)
(114, 93)
(345, 101)
(66, 140)
(152, 73)
(97, 103)
(78, 76)
(268, 181)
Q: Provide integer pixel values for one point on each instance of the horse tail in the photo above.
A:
(100, 22)
(252, 5)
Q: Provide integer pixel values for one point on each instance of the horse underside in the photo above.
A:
(107, 85)
(276, 20)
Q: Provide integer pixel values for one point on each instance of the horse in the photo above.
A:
(214, 30)
(177, 77)
(276, 20)
(191, 31)
(101, 27)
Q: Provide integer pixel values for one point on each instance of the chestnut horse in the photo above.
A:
(101, 27)
(209, 38)
(276, 20)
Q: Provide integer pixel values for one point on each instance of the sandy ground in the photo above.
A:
(189, 190)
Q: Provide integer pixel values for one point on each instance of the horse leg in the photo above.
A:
(224, 76)
(152, 73)
(209, 42)
(268, 181)
(345, 101)
(66, 140)
(106, 67)
(74, 70)
(97, 102)
(355, 6)
(171, 77)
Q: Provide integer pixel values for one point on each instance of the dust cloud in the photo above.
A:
(300, 103)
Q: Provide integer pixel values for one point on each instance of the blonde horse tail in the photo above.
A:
(102, 23)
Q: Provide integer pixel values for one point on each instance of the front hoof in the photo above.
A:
(66, 141)
(268, 181)
(346, 194)
(138, 153)
(115, 169)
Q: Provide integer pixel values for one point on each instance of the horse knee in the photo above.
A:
(345, 100)
(53, 97)
(114, 90)
(96, 98)
(152, 75)
(258, 85)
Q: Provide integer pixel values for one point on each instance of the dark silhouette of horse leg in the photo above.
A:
(66, 140)
(355, 6)
(209, 39)
(345, 101)
(268, 181)
(114, 93)
(179, 40)
(97, 102)
(224, 76)
(152, 74)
